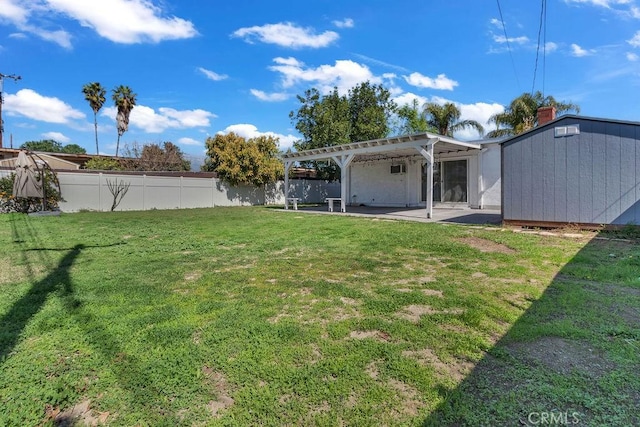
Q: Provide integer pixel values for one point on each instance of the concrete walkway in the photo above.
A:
(461, 215)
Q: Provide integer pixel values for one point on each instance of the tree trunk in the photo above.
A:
(95, 126)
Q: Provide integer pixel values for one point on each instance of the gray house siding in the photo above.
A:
(589, 178)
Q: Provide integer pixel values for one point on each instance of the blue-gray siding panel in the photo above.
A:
(527, 179)
(560, 179)
(548, 178)
(537, 179)
(585, 166)
(507, 191)
(516, 182)
(573, 179)
(627, 176)
(598, 215)
(612, 173)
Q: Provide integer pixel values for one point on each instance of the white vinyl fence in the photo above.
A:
(89, 191)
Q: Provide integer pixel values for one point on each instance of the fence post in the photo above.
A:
(100, 192)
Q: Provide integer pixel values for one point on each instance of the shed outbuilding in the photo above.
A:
(573, 170)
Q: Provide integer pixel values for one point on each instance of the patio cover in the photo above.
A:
(426, 144)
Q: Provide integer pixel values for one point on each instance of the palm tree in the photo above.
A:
(94, 93)
(446, 118)
(522, 113)
(125, 100)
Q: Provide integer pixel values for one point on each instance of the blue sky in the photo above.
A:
(203, 67)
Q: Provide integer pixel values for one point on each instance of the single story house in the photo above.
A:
(573, 170)
(417, 170)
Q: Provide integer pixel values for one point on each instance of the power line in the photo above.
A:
(506, 38)
(543, 14)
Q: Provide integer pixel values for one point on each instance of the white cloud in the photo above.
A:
(496, 22)
(514, 40)
(407, 99)
(579, 52)
(441, 82)
(345, 23)
(31, 104)
(550, 47)
(635, 40)
(345, 74)
(121, 21)
(633, 57)
(286, 34)
(152, 121)
(212, 75)
(10, 10)
(250, 131)
(269, 97)
(57, 136)
(189, 141)
(18, 36)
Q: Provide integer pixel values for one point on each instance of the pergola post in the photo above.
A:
(427, 153)
(287, 167)
(343, 160)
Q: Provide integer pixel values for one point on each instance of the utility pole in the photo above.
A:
(2, 77)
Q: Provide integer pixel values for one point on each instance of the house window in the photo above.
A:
(399, 168)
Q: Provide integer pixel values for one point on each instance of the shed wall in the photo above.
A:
(589, 178)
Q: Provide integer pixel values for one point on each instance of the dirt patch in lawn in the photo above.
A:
(457, 369)
(79, 414)
(218, 382)
(563, 356)
(413, 313)
(408, 395)
(375, 334)
(484, 245)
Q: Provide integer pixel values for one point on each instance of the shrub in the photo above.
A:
(9, 203)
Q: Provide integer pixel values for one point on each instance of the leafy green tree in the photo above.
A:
(445, 118)
(334, 119)
(46, 145)
(522, 113)
(370, 110)
(73, 149)
(412, 120)
(237, 160)
(94, 94)
(125, 100)
(103, 164)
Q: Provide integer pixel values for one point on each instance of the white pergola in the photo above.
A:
(426, 144)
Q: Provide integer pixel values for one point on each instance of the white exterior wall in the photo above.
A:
(372, 183)
(491, 185)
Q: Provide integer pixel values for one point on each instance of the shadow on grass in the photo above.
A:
(14, 321)
(572, 358)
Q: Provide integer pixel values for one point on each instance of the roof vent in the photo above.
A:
(569, 130)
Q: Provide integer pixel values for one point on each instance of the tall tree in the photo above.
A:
(154, 157)
(125, 100)
(522, 113)
(94, 94)
(445, 118)
(46, 145)
(237, 160)
(411, 119)
(73, 149)
(335, 119)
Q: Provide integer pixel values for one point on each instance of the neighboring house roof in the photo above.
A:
(68, 161)
(568, 117)
(52, 161)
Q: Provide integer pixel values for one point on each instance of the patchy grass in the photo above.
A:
(246, 316)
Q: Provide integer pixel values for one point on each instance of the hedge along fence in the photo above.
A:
(88, 190)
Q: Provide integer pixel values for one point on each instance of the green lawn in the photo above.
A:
(254, 316)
